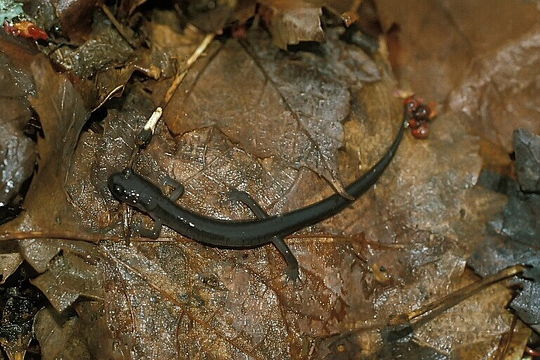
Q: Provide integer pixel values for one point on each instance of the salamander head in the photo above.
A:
(132, 189)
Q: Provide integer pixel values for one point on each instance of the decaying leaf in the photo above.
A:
(16, 149)
(527, 150)
(75, 16)
(170, 46)
(68, 277)
(47, 205)
(515, 235)
(434, 43)
(9, 262)
(80, 336)
(293, 21)
(187, 293)
(62, 115)
(18, 305)
(276, 95)
(212, 16)
(104, 49)
(503, 105)
(58, 336)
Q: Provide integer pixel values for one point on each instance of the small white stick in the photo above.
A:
(154, 118)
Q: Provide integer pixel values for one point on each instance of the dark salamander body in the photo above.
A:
(133, 189)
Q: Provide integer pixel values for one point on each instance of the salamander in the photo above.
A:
(133, 189)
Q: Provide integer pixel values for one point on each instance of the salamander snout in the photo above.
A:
(114, 183)
(130, 188)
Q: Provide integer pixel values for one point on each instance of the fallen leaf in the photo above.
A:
(291, 22)
(62, 115)
(434, 44)
(515, 233)
(75, 17)
(16, 148)
(500, 105)
(105, 48)
(170, 46)
(8, 264)
(282, 96)
(80, 336)
(18, 305)
(58, 336)
(47, 205)
(527, 150)
(211, 16)
(68, 277)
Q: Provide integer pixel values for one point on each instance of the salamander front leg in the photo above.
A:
(279, 243)
(178, 189)
(152, 233)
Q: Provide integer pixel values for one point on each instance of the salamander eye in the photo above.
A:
(126, 173)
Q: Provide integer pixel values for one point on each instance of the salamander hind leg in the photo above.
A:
(292, 264)
(152, 233)
(247, 200)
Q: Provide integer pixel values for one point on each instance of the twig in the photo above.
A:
(180, 75)
(438, 306)
(119, 27)
(145, 135)
(506, 340)
(51, 235)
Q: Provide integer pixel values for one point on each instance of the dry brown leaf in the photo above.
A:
(291, 22)
(84, 336)
(67, 277)
(500, 90)
(171, 47)
(58, 336)
(9, 262)
(434, 42)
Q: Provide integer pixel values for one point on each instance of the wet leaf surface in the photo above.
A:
(309, 125)
(75, 16)
(527, 152)
(17, 151)
(10, 262)
(290, 128)
(82, 335)
(62, 116)
(515, 234)
(104, 49)
(19, 303)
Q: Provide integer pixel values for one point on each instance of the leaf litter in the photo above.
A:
(275, 124)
